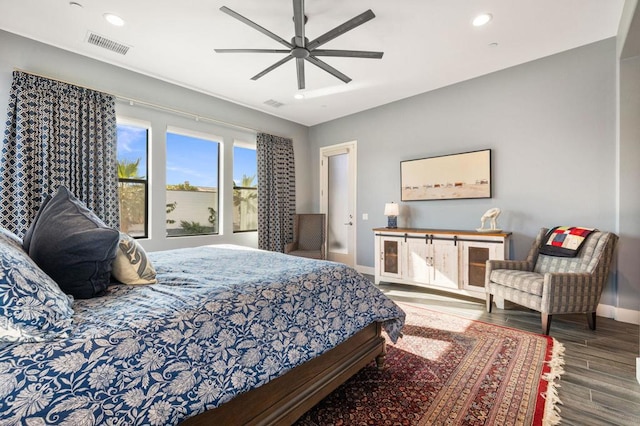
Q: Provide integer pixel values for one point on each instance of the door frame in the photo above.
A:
(351, 148)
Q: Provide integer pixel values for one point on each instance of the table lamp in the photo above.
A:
(391, 210)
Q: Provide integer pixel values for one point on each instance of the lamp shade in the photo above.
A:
(391, 209)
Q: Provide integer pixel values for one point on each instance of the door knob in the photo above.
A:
(349, 223)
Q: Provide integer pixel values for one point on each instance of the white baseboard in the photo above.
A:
(638, 369)
(619, 314)
(369, 270)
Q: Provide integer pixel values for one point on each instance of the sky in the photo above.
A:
(189, 159)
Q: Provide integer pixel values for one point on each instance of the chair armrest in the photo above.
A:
(517, 265)
(567, 292)
(289, 247)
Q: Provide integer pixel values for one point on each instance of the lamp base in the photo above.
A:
(392, 222)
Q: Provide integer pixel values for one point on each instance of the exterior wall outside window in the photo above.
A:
(192, 204)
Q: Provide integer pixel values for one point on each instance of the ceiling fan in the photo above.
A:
(301, 48)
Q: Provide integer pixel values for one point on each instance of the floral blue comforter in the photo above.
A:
(221, 321)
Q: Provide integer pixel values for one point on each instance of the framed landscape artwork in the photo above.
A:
(447, 177)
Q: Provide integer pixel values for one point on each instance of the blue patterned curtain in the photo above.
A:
(276, 191)
(57, 134)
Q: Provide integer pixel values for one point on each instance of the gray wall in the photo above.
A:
(629, 199)
(629, 246)
(551, 125)
(38, 58)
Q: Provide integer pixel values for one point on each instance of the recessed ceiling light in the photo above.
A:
(482, 19)
(114, 19)
(298, 96)
(75, 4)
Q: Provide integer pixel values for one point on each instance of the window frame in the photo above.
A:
(245, 145)
(211, 137)
(126, 121)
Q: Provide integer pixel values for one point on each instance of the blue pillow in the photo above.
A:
(32, 306)
(26, 240)
(73, 246)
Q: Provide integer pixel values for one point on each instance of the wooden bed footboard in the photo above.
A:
(283, 400)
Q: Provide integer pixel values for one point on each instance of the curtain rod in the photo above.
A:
(132, 101)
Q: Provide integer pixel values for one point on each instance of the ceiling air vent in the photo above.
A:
(105, 43)
(273, 103)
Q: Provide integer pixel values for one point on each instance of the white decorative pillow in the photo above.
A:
(32, 306)
(132, 266)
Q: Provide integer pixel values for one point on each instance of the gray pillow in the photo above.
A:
(26, 240)
(73, 246)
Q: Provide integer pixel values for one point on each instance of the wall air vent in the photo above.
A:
(105, 43)
(273, 103)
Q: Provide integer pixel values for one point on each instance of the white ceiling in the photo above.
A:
(427, 44)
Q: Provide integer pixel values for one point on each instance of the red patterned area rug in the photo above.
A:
(448, 370)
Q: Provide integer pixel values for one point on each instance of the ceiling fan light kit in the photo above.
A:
(301, 49)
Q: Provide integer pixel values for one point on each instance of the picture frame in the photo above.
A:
(447, 177)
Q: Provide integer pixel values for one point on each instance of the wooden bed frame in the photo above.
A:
(283, 400)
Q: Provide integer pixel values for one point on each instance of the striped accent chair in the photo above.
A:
(554, 285)
(309, 236)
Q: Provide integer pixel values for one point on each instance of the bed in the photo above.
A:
(229, 335)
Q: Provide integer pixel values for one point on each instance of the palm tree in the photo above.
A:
(130, 194)
(245, 198)
(128, 169)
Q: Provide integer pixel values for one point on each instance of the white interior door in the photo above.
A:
(338, 200)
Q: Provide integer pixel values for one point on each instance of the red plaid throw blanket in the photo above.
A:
(565, 241)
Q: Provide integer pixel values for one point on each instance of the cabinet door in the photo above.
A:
(390, 257)
(418, 266)
(444, 264)
(475, 256)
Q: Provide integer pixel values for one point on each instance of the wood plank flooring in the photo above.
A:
(599, 386)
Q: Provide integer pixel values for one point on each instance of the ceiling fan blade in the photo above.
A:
(328, 68)
(272, 67)
(341, 29)
(298, 21)
(300, 71)
(255, 26)
(347, 53)
(251, 51)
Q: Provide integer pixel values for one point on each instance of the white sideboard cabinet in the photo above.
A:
(452, 260)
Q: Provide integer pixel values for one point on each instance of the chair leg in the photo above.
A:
(546, 323)
(489, 302)
(591, 319)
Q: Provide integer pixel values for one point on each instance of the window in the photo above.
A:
(132, 178)
(192, 184)
(245, 188)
